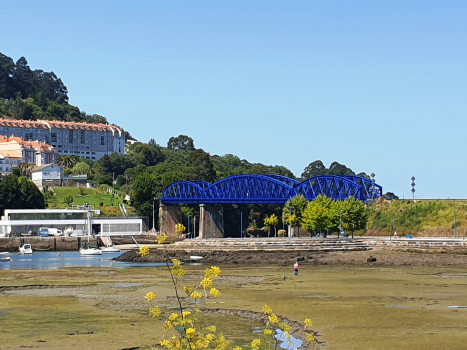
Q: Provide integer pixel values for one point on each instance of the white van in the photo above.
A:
(46, 231)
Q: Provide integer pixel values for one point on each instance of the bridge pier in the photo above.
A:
(211, 221)
(169, 216)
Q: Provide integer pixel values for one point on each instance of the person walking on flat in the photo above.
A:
(295, 266)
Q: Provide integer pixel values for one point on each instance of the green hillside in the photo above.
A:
(432, 218)
(100, 199)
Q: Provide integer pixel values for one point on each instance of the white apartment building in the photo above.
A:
(15, 150)
(91, 141)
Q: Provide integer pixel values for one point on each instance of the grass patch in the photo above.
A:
(95, 197)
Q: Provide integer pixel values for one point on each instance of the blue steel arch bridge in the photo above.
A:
(270, 189)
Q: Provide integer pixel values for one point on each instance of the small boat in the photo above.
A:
(196, 257)
(5, 256)
(109, 246)
(25, 249)
(90, 251)
(111, 249)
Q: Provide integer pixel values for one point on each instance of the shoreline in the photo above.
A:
(385, 257)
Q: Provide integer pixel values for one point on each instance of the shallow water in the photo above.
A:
(56, 260)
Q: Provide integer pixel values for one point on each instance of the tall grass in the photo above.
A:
(417, 217)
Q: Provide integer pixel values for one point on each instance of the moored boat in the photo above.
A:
(5, 256)
(25, 249)
(90, 251)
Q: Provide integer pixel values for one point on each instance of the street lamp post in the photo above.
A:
(340, 221)
(455, 223)
(241, 224)
(189, 233)
(153, 216)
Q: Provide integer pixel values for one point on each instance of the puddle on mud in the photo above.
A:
(457, 306)
(400, 306)
(126, 285)
(284, 343)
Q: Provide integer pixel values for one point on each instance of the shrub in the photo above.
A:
(184, 320)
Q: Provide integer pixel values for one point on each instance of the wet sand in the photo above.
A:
(400, 302)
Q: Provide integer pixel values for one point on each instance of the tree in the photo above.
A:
(200, 166)
(146, 154)
(272, 220)
(68, 199)
(19, 193)
(30, 197)
(143, 192)
(181, 142)
(313, 169)
(354, 215)
(81, 168)
(68, 161)
(24, 169)
(318, 214)
(294, 209)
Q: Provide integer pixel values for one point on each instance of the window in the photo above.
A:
(82, 137)
(54, 136)
(102, 140)
(66, 151)
(93, 152)
(87, 152)
(87, 157)
(93, 157)
(70, 136)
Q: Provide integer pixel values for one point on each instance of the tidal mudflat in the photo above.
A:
(352, 307)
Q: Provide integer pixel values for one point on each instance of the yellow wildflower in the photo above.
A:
(267, 309)
(308, 323)
(188, 290)
(180, 228)
(268, 331)
(213, 272)
(206, 282)
(237, 348)
(211, 329)
(210, 337)
(168, 325)
(273, 319)
(310, 337)
(255, 344)
(173, 316)
(165, 342)
(196, 295)
(162, 238)
(190, 332)
(150, 296)
(186, 313)
(176, 262)
(144, 250)
(222, 343)
(155, 311)
(178, 271)
(285, 327)
(215, 292)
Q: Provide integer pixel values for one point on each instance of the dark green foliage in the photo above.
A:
(34, 94)
(181, 142)
(19, 193)
(317, 168)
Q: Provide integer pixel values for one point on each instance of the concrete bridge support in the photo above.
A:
(169, 216)
(211, 222)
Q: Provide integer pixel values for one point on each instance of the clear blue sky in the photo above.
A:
(380, 86)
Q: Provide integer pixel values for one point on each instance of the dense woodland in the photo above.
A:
(146, 169)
